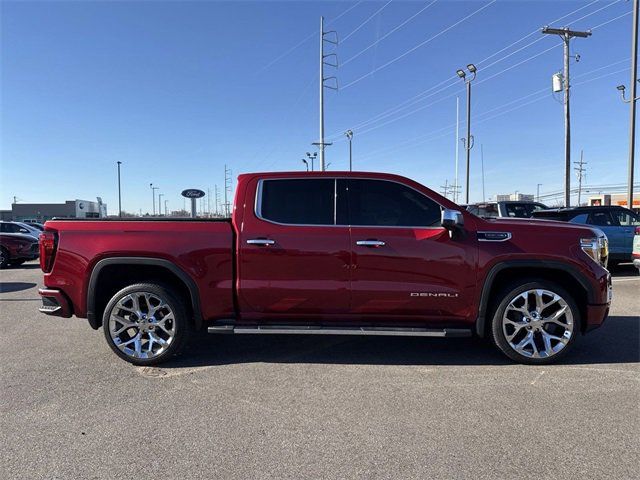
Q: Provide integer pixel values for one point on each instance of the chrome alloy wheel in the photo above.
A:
(537, 323)
(142, 325)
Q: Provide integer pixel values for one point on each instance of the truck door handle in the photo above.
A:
(370, 243)
(265, 242)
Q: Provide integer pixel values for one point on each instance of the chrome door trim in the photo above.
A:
(370, 243)
(261, 241)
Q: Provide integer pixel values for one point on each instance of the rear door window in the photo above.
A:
(298, 201)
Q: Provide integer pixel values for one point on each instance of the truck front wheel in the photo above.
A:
(146, 324)
(535, 322)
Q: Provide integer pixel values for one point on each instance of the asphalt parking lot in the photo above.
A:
(313, 407)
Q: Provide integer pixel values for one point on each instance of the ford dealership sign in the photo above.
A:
(192, 193)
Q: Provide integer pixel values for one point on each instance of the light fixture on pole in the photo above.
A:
(312, 157)
(349, 135)
(119, 194)
(468, 144)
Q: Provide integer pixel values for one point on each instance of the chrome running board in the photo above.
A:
(314, 330)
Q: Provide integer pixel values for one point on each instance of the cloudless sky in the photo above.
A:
(176, 90)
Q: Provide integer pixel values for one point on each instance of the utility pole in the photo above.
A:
(119, 195)
(349, 135)
(468, 144)
(153, 193)
(482, 167)
(538, 192)
(216, 200)
(632, 101)
(580, 171)
(566, 34)
(323, 38)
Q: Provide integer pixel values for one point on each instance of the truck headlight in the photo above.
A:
(597, 248)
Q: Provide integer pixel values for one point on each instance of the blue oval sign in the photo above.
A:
(192, 193)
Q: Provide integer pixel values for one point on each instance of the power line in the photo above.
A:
(407, 114)
(421, 44)
(345, 12)
(453, 80)
(537, 30)
(365, 22)
(612, 20)
(425, 138)
(388, 33)
(306, 39)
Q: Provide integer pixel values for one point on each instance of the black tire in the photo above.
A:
(4, 258)
(511, 292)
(16, 263)
(181, 324)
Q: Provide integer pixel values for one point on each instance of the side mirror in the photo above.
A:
(452, 220)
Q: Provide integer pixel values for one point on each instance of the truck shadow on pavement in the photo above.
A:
(8, 287)
(618, 341)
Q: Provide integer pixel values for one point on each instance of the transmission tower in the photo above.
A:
(227, 190)
(580, 172)
(325, 37)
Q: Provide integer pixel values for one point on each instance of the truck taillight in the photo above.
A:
(48, 240)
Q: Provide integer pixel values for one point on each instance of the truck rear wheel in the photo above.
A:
(146, 324)
(535, 322)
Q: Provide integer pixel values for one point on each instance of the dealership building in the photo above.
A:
(41, 212)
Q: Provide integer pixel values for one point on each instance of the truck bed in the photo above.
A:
(202, 249)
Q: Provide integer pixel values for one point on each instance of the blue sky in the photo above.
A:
(176, 90)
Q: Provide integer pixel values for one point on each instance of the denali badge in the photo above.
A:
(434, 294)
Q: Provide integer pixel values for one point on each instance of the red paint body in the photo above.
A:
(317, 274)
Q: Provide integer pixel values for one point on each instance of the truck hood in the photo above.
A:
(535, 223)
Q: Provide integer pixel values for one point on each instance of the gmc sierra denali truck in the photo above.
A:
(339, 253)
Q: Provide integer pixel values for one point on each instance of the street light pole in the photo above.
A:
(119, 194)
(468, 144)
(306, 164)
(312, 157)
(165, 207)
(566, 36)
(349, 134)
(153, 194)
(538, 192)
(160, 195)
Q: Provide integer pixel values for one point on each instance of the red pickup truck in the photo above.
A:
(347, 253)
